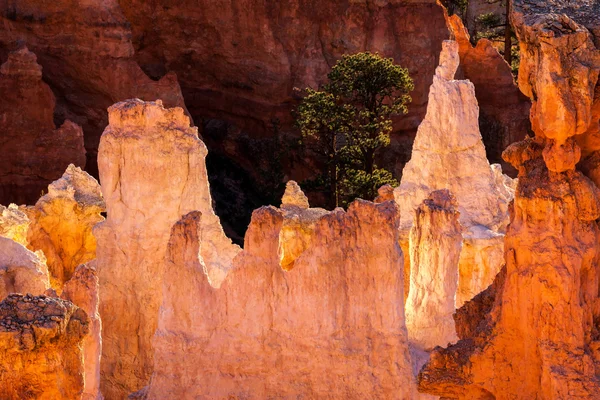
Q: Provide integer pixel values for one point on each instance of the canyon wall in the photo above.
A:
(542, 341)
(152, 172)
(329, 326)
(34, 151)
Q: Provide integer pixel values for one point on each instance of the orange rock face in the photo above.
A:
(40, 353)
(536, 335)
(62, 221)
(34, 151)
(82, 290)
(152, 172)
(330, 327)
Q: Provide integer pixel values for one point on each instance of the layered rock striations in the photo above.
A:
(40, 348)
(152, 172)
(540, 336)
(330, 327)
(448, 153)
(435, 247)
(83, 291)
(21, 270)
(62, 221)
(86, 50)
(34, 151)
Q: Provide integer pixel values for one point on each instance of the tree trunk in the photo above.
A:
(508, 36)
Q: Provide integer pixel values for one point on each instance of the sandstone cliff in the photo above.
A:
(536, 335)
(330, 327)
(152, 172)
(40, 353)
(62, 221)
(448, 153)
(34, 152)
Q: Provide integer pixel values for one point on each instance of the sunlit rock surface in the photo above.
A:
(537, 334)
(152, 172)
(21, 270)
(14, 223)
(330, 327)
(40, 348)
(448, 153)
(435, 248)
(62, 221)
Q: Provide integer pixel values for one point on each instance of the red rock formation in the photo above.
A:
(504, 110)
(435, 247)
(331, 327)
(152, 172)
(62, 221)
(540, 339)
(34, 152)
(40, 353)
(86, 51)
(82, 290)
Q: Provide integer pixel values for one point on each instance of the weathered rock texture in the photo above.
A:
(448, 153)
(86, 51)
(435, 247)
(62, 222)
(539, 337)
(21, 270)
(40, 348)
(34, 152)
(82, 290)
(152, 172)
(503, 109)
(14, 223)
(331, 327)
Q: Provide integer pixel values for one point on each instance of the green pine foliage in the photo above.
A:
(348, 121)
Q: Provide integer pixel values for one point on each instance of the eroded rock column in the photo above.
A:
(435, 246)
(152, 172)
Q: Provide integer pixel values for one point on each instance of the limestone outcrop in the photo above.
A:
(21, 270)
(82, 290)
(435, 248)
(448, 153)
(14, 223)
(152, 172)
(86, 50)
(40, 348)
(330, 327)
(538, 337)
(62, 221)
(34, 151)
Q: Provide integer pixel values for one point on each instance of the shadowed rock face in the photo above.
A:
(330, 327)
(34, 151)
(40, 348)
(86, 51)
(540, 339)
(152, 172)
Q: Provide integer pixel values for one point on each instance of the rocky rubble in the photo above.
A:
(34, 151)
(40, 353)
